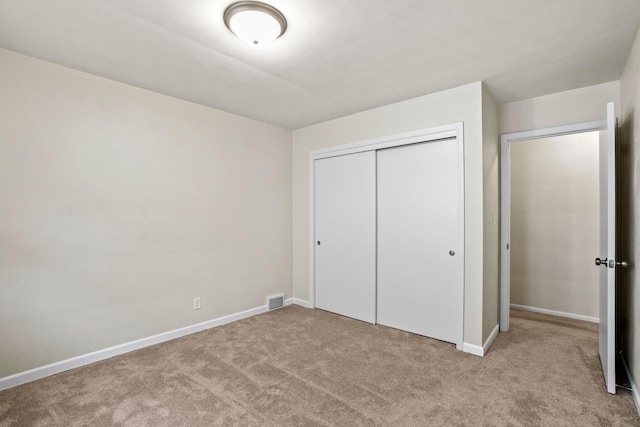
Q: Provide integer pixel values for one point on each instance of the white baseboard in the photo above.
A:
(481, 351)
(300, 302)
(556, 313)
(634, 389)
(492, 336)
(472, 349)
(85, 359)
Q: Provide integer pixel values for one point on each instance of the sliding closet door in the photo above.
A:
(345, 217)
(419, 272)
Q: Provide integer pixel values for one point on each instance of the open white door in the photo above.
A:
(607, 260)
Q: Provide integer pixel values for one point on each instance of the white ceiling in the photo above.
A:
(337, 56)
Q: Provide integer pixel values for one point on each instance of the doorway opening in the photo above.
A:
(543, 189)
(554, 225)
(552, 258)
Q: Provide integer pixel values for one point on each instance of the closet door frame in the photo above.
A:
(454, 130)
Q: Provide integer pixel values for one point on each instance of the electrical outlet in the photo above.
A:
(196, 303)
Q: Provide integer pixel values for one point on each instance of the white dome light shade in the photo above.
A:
(255, 27)
(255, 23)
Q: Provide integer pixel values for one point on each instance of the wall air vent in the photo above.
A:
(275, 301)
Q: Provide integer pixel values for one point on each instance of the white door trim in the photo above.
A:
(454, 130)
(505, 201)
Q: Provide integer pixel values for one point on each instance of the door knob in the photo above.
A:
(318, 242)
(601, 261)
(452, 253)
(623, 264)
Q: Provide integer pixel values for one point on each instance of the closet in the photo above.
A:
(387, 233)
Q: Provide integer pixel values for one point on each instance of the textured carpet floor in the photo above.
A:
(299, 367)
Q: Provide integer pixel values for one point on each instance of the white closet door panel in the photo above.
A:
(418, 279)
(345, 204)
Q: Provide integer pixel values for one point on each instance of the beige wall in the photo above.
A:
(554, 223)
(558, 109)
(461, 104)
(491, 210)
(630, 125)
(120, 205)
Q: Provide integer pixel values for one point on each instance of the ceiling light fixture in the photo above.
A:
(254, 22)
